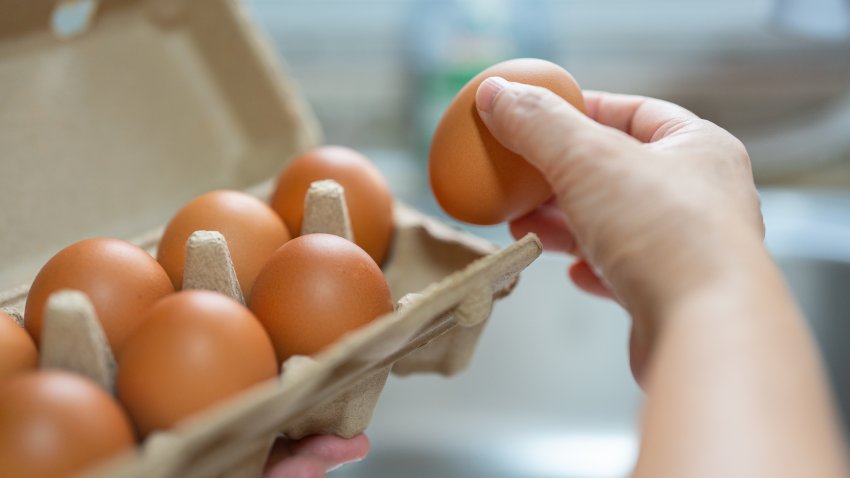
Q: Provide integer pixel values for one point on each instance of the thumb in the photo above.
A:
(543, 128)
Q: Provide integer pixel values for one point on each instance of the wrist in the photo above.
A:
(745, 278)
(727, 261)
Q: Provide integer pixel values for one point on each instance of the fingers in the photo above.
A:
(297, 467)
(662, 125)
(544, 129)
(638, 353)
(333, 450)
(641, 344)
(583, 276)
(646, 119)
(313, 456)
(550, 225)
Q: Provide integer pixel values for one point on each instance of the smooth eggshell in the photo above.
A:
(474, 178)
(120, 279)
(194, 349)
(253, 232)
(316, 288)
(55, 424)
(369, 200)
(17, 350)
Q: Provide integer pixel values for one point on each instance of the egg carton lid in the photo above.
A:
(107, 129)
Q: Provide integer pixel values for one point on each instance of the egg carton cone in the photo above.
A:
(73, 339)
(325, 210)
(208, 265)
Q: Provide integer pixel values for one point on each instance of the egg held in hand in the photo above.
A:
(474, 178)
(315, 289)
(193, 350)
(55, 424)
(121, 280)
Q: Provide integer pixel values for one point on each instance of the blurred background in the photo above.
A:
(774, 72)
(549, 392)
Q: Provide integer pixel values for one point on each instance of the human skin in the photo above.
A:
(312, 457)
(659, 208)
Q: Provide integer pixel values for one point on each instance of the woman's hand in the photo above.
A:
(652, 200)
(313, 457)
(660, 208)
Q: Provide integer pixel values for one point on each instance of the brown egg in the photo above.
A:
(120, 279)
(316, 288)
(17, 350)
(56, 424)
(474, 178)
(194, 349)
(252, 230)
(370, 203)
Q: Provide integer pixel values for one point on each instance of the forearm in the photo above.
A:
(736, 386)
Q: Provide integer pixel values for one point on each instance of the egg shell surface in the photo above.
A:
(474, 178)
(315, 289)
(17, 350)
(194, 349)
(367, 195)
(55, 424)
(121, 280)
(253, 232)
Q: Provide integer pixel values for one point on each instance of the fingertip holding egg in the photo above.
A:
(368, 197)
(474, 178)
(315, 289)
(253, 232)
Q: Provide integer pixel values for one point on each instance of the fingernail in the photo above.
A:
(487, 92)
(340, 465)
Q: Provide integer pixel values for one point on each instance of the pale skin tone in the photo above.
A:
(660, 211)
(659, 208)
(312, 457)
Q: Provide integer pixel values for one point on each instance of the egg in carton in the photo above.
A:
(334, 392)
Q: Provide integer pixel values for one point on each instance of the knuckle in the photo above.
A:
(737, 151)
(741, 153)
(539, 125)
(675, 125)
(523, 108)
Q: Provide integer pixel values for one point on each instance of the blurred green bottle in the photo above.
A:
(451, 41)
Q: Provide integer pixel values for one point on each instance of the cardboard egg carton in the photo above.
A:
(155, 102)
(434, 330)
